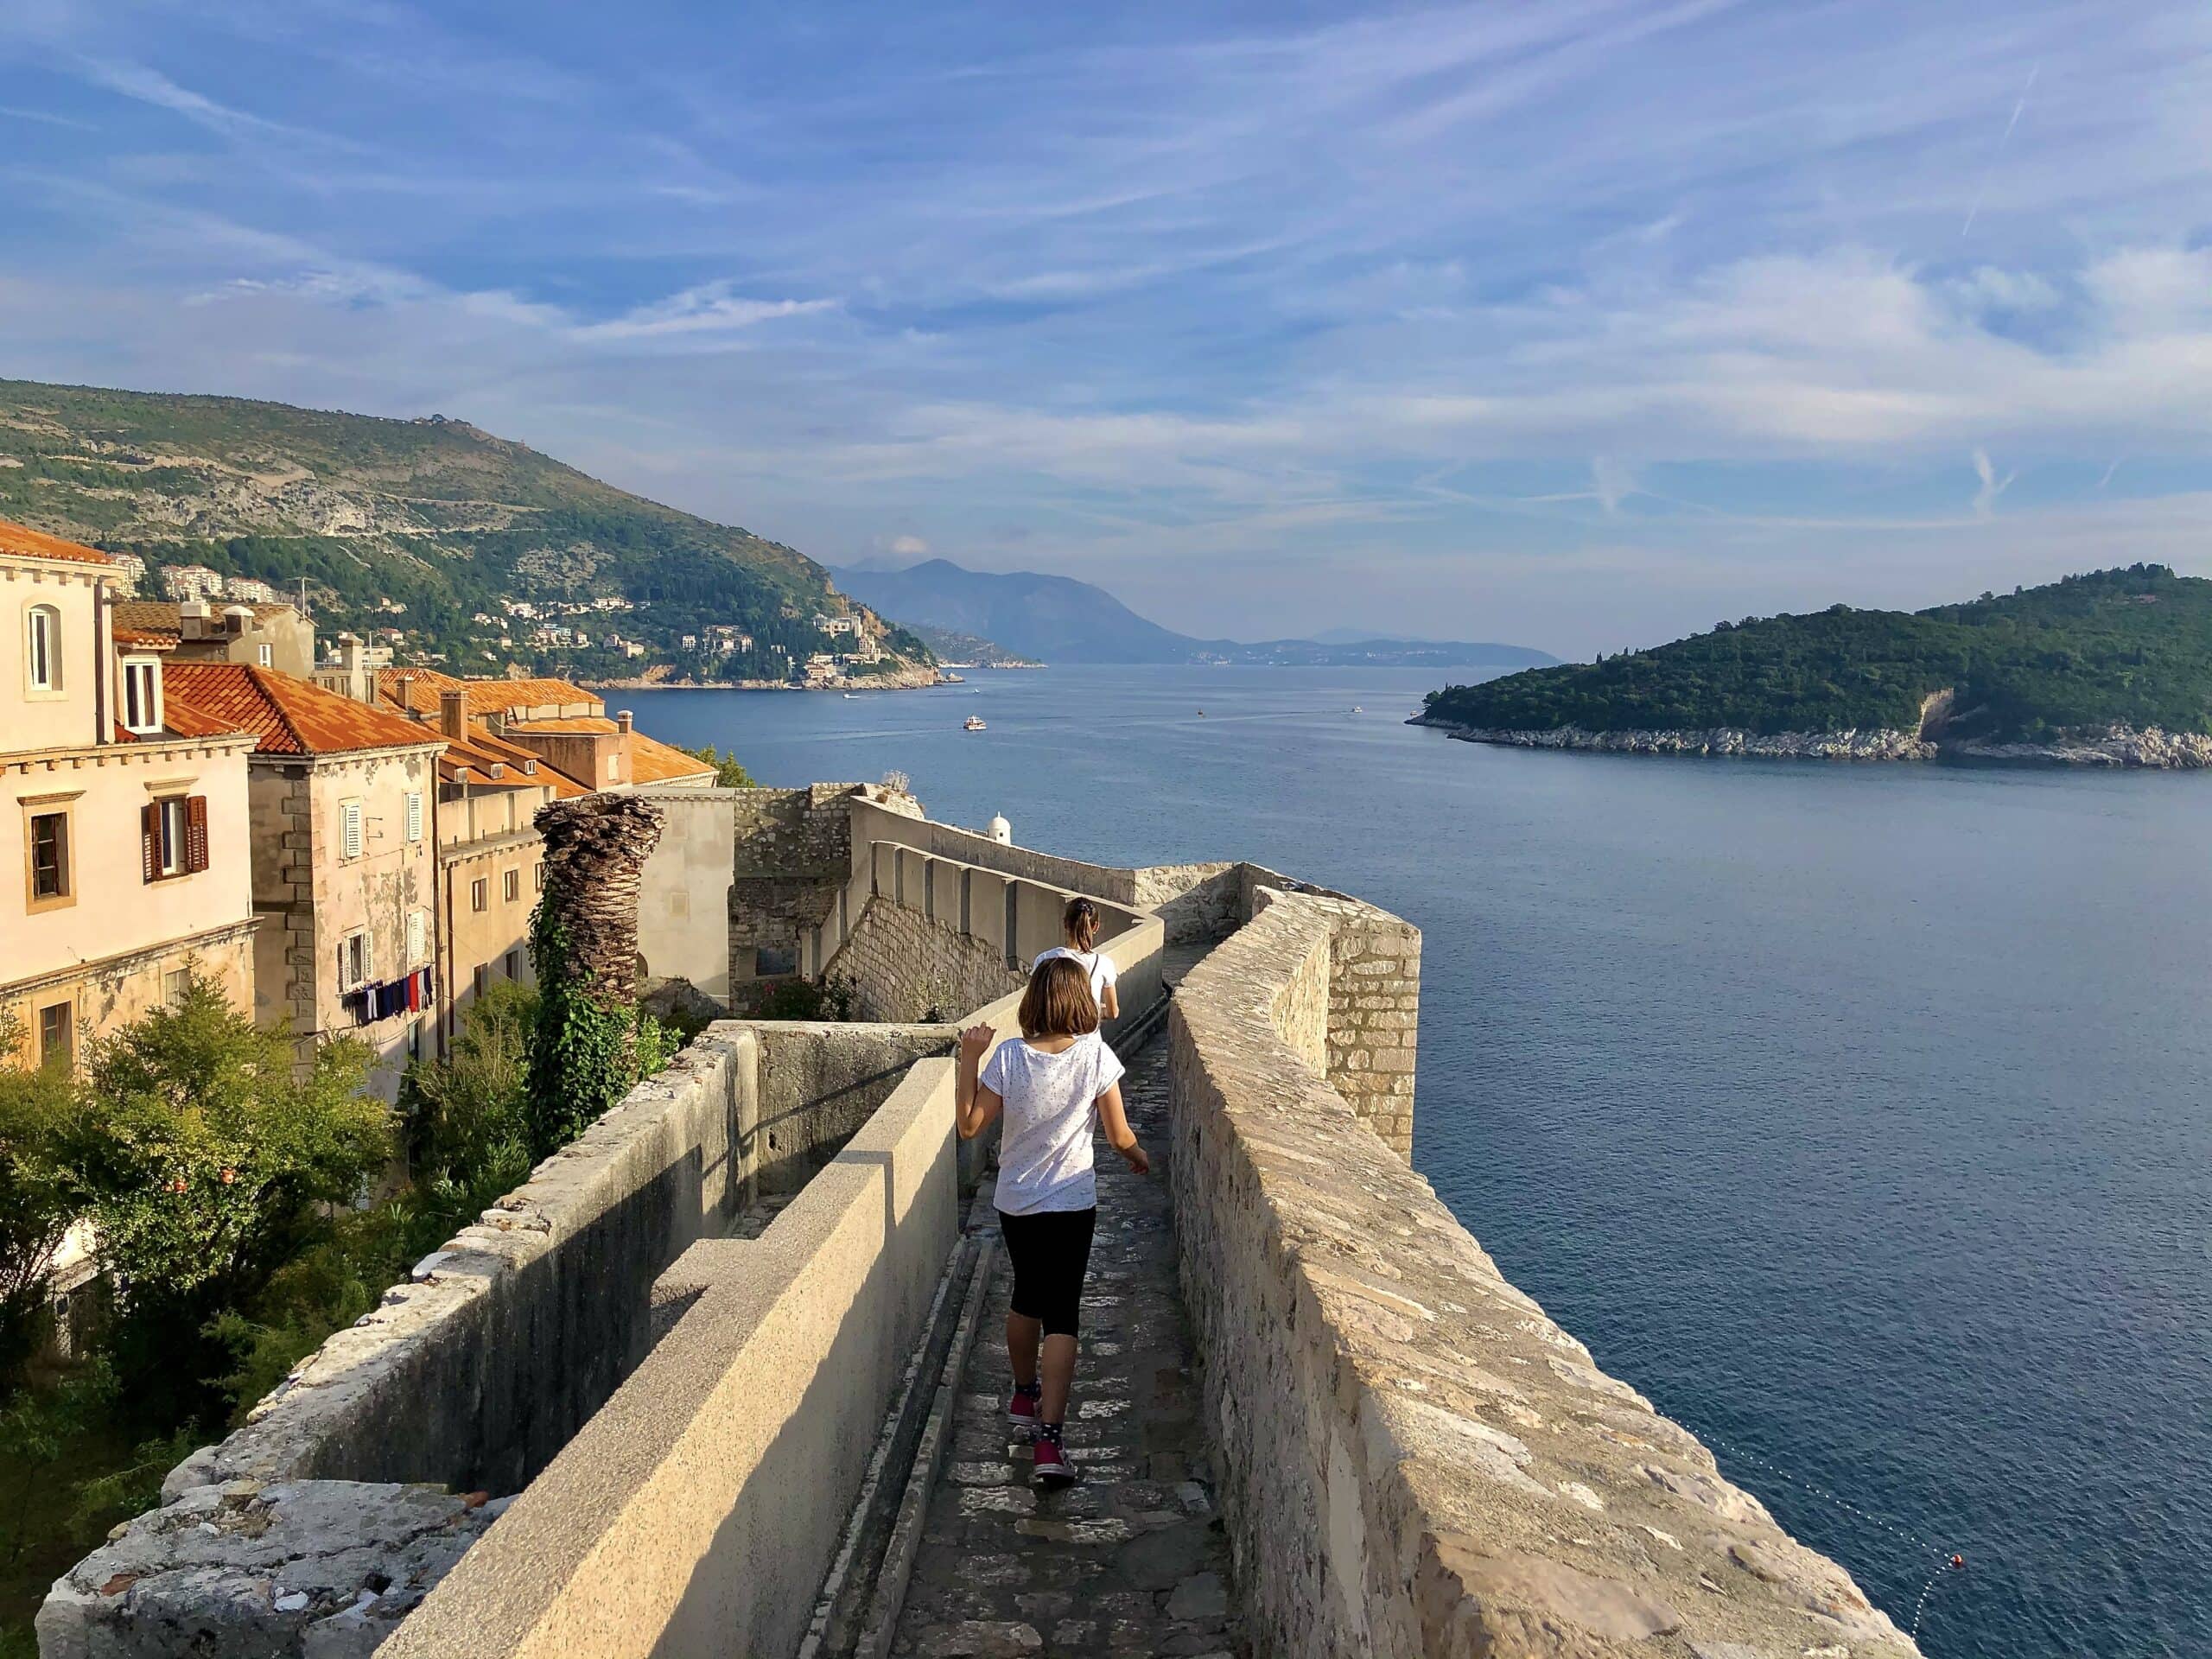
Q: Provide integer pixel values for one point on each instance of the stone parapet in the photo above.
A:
(472, 1374)
(698, 1513)
(1414, 1460)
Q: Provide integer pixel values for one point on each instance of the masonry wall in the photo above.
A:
(1193, 901)
(817, 1084)
(1413, 1459)
(474, 1373)
(698, 1513)
(903, 965)
(742, 882)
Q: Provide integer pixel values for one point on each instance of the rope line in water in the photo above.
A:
(1946, 1561)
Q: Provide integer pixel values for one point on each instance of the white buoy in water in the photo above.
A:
(1001, 831)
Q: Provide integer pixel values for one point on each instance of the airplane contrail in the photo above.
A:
(2018, 105)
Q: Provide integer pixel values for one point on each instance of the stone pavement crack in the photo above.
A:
(1132, 1560)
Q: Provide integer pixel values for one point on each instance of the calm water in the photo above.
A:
(1857, 1115)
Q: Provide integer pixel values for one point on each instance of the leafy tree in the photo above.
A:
(37, 1201)
(584, 1055)
(202, 1149)
(729, 772)
(469, 1112)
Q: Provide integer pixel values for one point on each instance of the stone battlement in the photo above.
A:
(659, 1400)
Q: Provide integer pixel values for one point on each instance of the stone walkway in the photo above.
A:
(1132, 1560)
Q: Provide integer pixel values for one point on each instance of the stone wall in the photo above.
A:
(904, 966)
(876, 822)
(1413, 1460)
(521, 1326)
(817, 1086)
(698, 1512)
(1374, 1018)
(742, 880)
(1193, 901)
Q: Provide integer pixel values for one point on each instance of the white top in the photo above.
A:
(1051, 1105)
(1097, 963)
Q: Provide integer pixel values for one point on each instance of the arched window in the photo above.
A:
(42, 648)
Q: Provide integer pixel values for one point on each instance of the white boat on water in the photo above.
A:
(974, 723)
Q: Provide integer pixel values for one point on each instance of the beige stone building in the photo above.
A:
(123, 830)
(345, 872)
(491, 858)
(267, 635)
(563, 725)
(350, 668)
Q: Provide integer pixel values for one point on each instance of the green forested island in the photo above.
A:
(2090, 667)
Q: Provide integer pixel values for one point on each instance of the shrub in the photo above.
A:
(202, 1154)
(37, 1201)
(729, 772)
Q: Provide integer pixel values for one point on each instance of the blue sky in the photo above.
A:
(1581, 324)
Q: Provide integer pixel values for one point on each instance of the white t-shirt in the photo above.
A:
(1097, 963)
(1051, 1101)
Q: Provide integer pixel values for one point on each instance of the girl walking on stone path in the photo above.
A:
(1051, 1085)
(1080, 924)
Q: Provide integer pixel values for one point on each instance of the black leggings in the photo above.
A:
(1050, 1252)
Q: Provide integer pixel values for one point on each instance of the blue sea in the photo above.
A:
(1857, 1114)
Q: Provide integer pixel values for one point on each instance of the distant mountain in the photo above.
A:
(953, 647)
(1055, 619)
(2111, 668)
(421, 525)
(1059, 620)
(1361, 636)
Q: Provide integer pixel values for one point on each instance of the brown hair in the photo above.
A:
(1058, 1003)
(1080, 919)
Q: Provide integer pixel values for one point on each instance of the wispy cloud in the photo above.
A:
(710, 307)
(1985, 498)
(1167, 300)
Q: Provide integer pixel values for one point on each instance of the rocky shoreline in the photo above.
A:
(2121, 747)
(904, 679)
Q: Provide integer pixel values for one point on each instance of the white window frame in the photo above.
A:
(147, 670)
(268, 655)
(413, 814)
(356, 958)
(42, 650)
(176, 832)
(353, 829)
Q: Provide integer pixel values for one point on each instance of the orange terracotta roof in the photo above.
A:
(471, 760)
(146, 638)
(420, 688)
(24, 542)
(288, 715)
(574, 725)
(653, 762)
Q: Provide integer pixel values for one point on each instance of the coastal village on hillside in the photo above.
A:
(340, 845)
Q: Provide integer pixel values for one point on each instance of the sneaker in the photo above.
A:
(1051, 1467)
(1021, 1411)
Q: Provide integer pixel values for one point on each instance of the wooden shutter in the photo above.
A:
(150, 840)
(349, 826)
(195, 832)
(413, 814)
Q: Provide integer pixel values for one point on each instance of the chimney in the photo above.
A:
(236, 618)
(192, 619)
(453, 714)
(624, 722)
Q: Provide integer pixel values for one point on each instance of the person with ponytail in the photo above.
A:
(1079, 922)
(1057, 1085)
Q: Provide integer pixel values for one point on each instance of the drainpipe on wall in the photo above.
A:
(102, 659)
